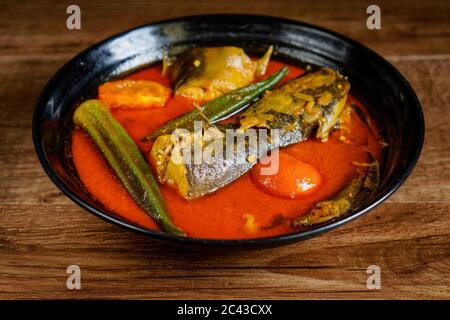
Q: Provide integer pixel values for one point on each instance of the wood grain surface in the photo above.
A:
(42, 231)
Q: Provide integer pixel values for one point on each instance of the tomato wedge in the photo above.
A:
(133, 94)
(292, 179)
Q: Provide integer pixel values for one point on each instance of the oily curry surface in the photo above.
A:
(241, 209)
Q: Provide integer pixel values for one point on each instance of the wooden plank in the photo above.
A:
(412, 250)
(404, 23)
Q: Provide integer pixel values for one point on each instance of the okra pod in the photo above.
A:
(125, 159)
(223, 106)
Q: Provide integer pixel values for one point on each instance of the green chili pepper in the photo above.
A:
(223, 106)
(125, 159)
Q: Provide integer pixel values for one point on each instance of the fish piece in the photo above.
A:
(313, 100)
(205, 73)
(354, 195)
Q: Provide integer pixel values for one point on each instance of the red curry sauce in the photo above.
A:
(225, 214)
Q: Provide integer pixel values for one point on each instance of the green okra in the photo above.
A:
(125, 159)
(223, 106)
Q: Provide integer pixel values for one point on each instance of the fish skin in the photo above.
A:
(204, 73)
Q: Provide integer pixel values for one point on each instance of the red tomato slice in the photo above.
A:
(293, 179)
(133, 94)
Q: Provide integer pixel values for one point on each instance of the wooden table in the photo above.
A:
(42, 231)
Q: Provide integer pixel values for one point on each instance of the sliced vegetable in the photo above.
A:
(133, 94)
(125, 159)
(290, 178)
(223, 106)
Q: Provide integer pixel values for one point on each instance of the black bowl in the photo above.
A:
(388, 96)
